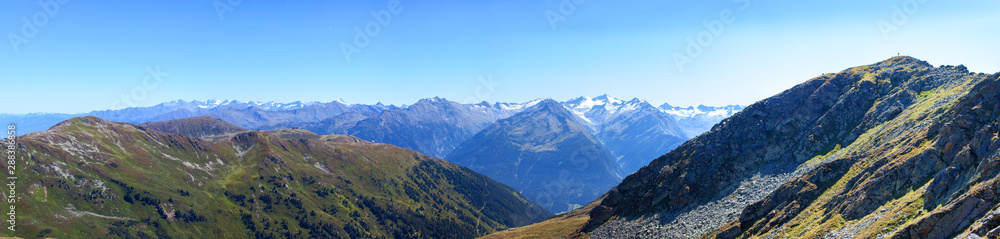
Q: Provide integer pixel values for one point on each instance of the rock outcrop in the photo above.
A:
(898, 148)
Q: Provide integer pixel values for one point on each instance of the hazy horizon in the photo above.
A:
(397, 105)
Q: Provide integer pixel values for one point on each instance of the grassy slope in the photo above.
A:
(198, 127)
(558, 226)
(91, 178)
(818, 219)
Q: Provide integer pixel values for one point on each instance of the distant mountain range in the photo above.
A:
(695, 120)
(617, 136)
(177, 109)
(634, 131)
(251, 115)
(432, 126)
(546, 153)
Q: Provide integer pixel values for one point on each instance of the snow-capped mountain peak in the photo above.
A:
(211, 103)
(598, 109)
(701, 118)
(516, 106)
(693, 111)
(272, 105)
(214, 103)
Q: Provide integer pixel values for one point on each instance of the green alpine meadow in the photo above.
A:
(91, 178)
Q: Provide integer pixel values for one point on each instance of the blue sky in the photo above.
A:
(87, 55)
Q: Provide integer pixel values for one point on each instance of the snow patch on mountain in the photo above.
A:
(700, 110)
(595, 111)
(271, 105)
(518, 107)
(265, 105)
(598, 110)
(699, 119)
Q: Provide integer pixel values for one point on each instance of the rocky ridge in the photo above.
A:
(833, 151)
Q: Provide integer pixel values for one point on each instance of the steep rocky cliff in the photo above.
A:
(897, 148)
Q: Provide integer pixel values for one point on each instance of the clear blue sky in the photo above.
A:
(89, 53)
